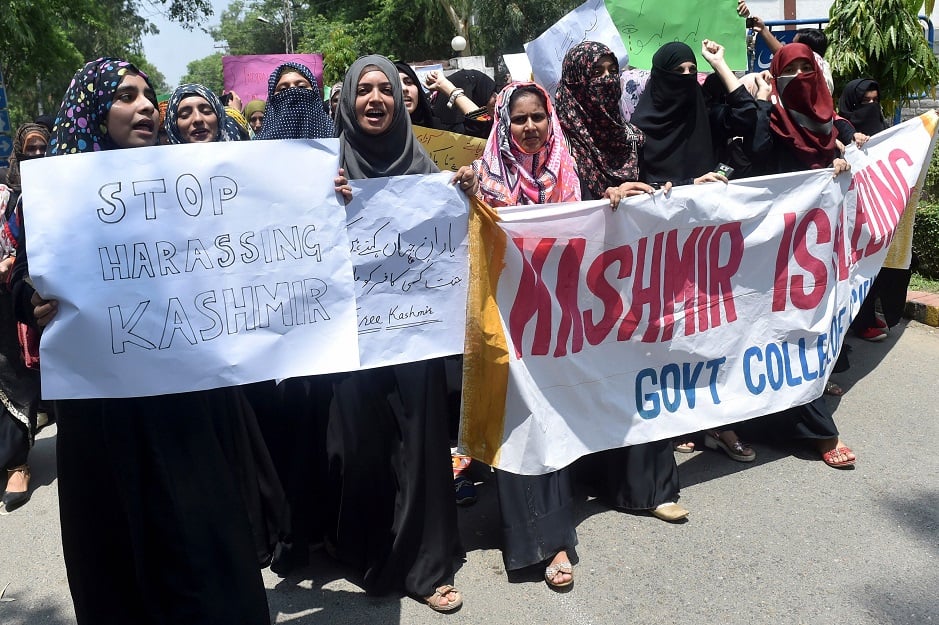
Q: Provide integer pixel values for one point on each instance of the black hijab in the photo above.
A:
(477, 86)
(672, 115)
(396, 151)
(423, 115)
(866, 118)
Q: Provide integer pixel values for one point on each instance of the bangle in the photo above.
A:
(453, 96)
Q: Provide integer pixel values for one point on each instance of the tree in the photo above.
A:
(206, 71)
(884, 40)
(504, 27)
(45, 41)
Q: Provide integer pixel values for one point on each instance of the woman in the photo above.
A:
(19, 383)
(415, 100)
(254, 113)
(804, 137)
(195, 114)
(153, 491)
(606, 150)
(802, 117)
(860, 105)
(526, 161)
(389, 475)
(603, 144)
(294, 108)
(464, 101)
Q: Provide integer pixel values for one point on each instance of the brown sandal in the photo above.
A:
(441, 594)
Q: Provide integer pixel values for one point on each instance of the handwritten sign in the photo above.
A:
(589, 22)
(450, 150)
(190, 267)
(247, 74)
(645, 25)
(409, 267)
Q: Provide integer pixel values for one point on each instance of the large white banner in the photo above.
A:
(676, 313)
(410, 267)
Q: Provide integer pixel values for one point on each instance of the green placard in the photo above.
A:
(646, 25)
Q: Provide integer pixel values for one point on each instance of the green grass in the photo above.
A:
(920, 283)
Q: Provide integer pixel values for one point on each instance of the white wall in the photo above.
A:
(805, 9)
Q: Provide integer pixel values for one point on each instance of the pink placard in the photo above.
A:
(247, 74)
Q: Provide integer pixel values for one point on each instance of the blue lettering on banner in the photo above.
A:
(664, 388)
(780, 364)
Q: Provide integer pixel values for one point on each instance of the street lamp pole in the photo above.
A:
(287, 19)
(288, 27)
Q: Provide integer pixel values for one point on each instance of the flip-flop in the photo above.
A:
(686, 447)
(838, 451)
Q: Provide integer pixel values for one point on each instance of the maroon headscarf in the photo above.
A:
(803, 113)
(604, 145)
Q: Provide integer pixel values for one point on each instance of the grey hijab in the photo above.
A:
(395, 152)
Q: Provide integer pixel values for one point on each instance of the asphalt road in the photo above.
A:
(784, 540)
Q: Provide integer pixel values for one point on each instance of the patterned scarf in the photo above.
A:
(227, 129)
(509, 176)
(295, 113)
(604, 145)
(81, 124)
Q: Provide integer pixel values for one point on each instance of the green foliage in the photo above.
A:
(337, 41)
(882, 39)
(206, 71)
(45, 41)
(926, 240)
(503, 27)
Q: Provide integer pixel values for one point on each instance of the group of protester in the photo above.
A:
(170, 505)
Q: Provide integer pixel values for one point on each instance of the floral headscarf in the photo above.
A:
(509, 176)
(294, 113)
(605, 146)
(227, 127)
(81, 124)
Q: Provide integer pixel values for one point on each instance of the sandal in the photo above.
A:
(441, 595)
(686, 447)
(833, 389)
(828, 457)
(738, 450)
(553, 570)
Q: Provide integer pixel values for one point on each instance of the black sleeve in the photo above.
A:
(845, 130)
(738, 117)
(762, 143)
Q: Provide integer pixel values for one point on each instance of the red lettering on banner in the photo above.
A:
(566, 291)
(679, 281)
(667, 275)
(719, 278)
(644, 295)
(781, 281)
(841, 252)
(533, 298)
(607, 293)
(814, 265)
